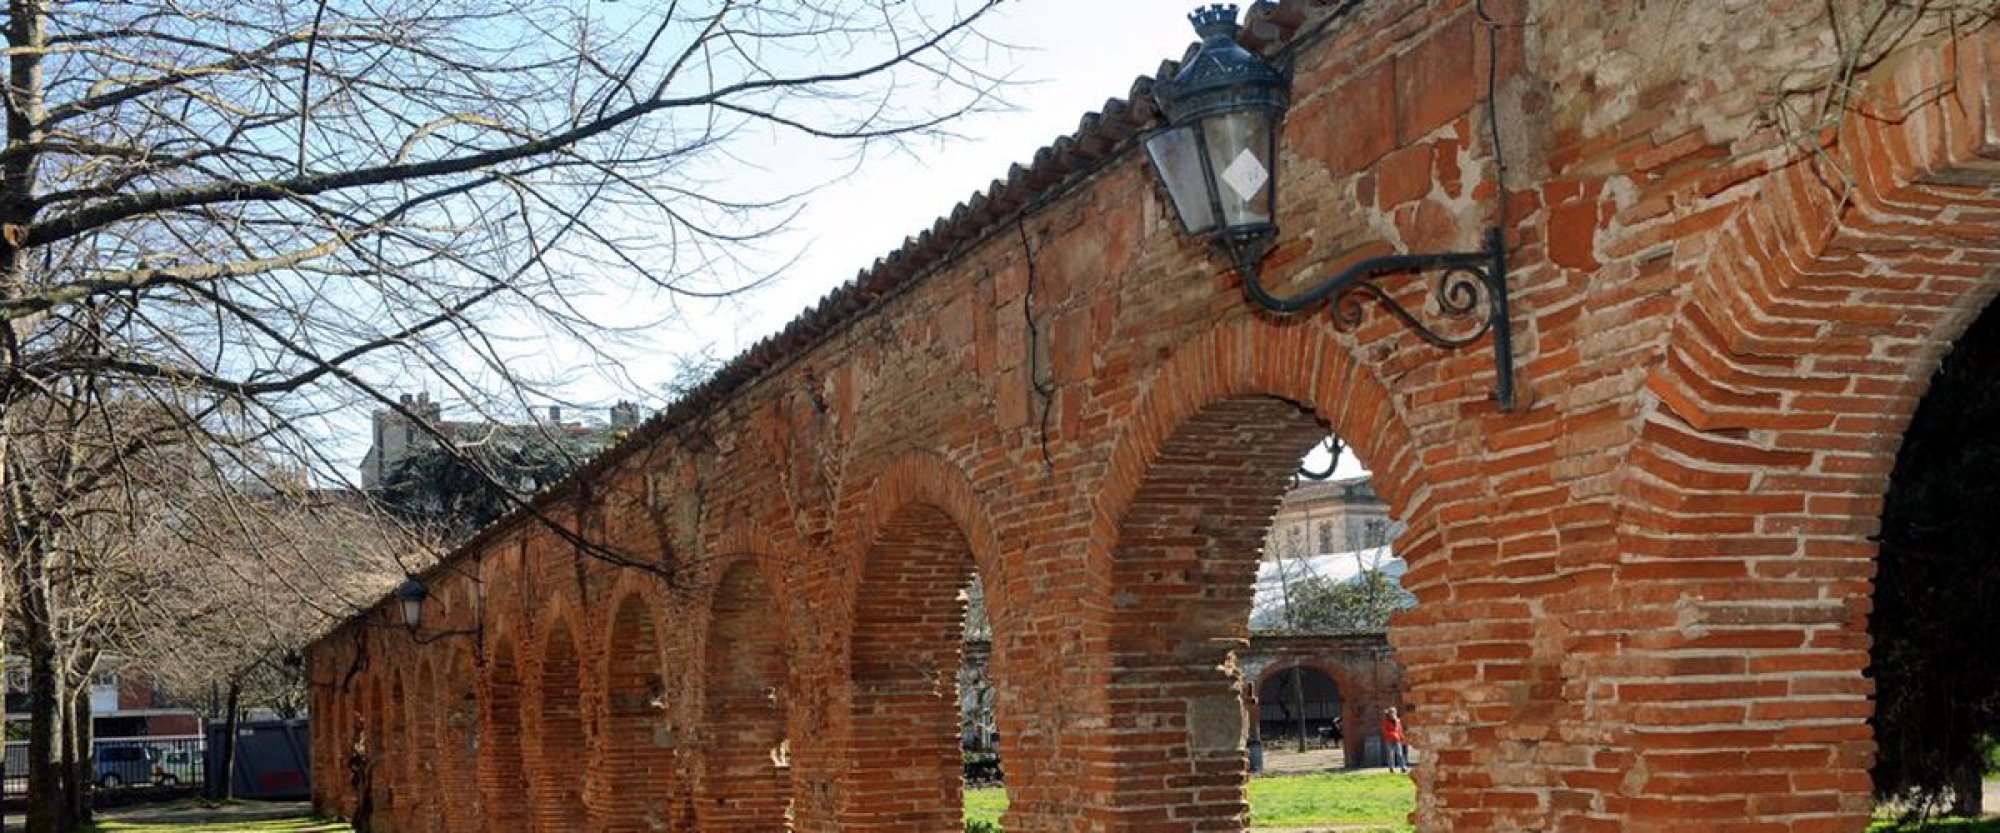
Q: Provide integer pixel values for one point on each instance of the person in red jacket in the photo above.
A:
(1392, 737)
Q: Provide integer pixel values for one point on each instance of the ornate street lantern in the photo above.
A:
(1219, 154)
(411, 594)
(1218, 157)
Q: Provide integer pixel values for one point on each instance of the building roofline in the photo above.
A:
(1102, 137)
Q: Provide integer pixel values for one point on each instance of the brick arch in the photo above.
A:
(1183, 573)
(1342, 680)
(742, 542)
(633, 778)
(921, 534)
(746, 679)
(922, 478)
(398, 736)
(1355, 725)
(459, 742)
(418, 770)
(1773, 418)
(503, 781)
(1305, 363)
(1192, 485)
(350, 726)
(555, 782)
(377, 798)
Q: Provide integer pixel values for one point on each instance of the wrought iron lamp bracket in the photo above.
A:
(1469, 279)
(436, 636)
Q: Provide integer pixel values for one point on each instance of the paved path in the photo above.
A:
(1286, 761)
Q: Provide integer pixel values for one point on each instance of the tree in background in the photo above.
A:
(1362, 604)
(453, 493)
(1937, 691)
(222, 612)
(188, 561)
(253, 215)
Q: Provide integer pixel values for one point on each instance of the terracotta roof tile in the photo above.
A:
(1099, 137)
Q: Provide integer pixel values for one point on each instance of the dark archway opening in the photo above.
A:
(1937, 690)
(1300, 705)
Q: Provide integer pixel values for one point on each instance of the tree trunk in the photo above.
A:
(1968, 793)
(82, 753)
(46, 801)
(1299, 703)
(227, 790)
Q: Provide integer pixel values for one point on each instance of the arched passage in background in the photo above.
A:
(1184, 567)
(634, 791)
(503, 782)
(556, 783)
(906, 769)
(458, 741)
(746, 780)
(1295, 700)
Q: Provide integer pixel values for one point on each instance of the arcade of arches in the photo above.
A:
(1642, 596)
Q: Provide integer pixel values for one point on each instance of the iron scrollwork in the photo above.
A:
(1334, 449)
(1468, 279)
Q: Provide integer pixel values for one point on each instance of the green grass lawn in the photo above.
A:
(1941, 825)
(1380, 799)
(1374, 798)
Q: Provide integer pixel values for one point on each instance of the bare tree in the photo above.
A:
(239, 218)
(225, 579)
(192, 561)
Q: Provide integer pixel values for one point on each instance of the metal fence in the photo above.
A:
(126, 763)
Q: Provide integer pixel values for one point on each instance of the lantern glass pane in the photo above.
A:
(413, 612)
(1239, 151)
(1176, 156)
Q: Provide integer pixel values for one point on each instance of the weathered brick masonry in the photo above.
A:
(1643, 597)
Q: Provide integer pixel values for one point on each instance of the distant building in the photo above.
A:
(1332, 530)
(397, 436)
(114, 688)
(1332, 516)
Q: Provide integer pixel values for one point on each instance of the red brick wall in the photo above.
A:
(745, 785)
(1642, 597)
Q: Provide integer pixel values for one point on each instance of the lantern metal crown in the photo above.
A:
(1218, 158)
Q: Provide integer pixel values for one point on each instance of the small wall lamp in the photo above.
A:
(1218, 158)
(411, 595)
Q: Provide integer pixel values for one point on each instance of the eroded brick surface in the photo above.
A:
(1642, 597)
